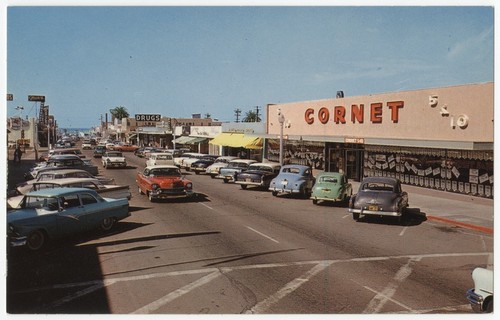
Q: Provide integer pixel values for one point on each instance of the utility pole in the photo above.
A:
(257, 119)
(237, 113)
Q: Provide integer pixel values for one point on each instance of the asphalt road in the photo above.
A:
(233, 251)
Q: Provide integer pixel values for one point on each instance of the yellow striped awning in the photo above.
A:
(237, 140)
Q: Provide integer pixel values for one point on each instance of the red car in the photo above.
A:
(125, 147)
(163, 181)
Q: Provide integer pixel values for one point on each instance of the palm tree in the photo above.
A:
(251, 116)
(118, 113)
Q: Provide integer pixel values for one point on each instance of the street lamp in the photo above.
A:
(281, 119)
(48, 134)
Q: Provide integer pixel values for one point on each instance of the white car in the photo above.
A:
(214, 170)
(113, 159)
(161, 158)
(86, 145)
(481, 296)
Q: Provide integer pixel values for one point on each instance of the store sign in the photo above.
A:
(356, 113)
(354, 140)
(148, 117)
(36, 98)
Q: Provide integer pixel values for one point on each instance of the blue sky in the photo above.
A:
(177, 61)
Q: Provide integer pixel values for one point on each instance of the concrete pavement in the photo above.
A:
(461, 210)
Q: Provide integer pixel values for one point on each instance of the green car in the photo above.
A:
(331, 186)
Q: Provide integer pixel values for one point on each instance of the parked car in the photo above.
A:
(234, 167)
(189, 158)
(62, 162)
(163, 181)
(331, 186)
(99, 150)
(201, 165)
(258, 174)
(24, 187)
(214, 170)
(107, 191)
(61, 151)
(56, 213)
(379, 196)
(161, 158)
(113, 159)
(481, 296)
(293, 179)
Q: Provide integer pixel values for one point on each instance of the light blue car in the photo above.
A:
(293, 179)
(50, 214)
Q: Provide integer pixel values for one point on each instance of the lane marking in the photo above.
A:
(403, 231)
(384, 296)
(215, 272)
(402, 305)
(177, 293)
(264, 235)
(290, 287)
(206, 206)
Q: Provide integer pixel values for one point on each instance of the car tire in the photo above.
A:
(225, 180)
(355, 216)
(275, 193)
(150, 197)
(488, 305)
(211, 176)
(36, 240)
(107, 224)
(197, 172)
(315, 201)
(243, 186)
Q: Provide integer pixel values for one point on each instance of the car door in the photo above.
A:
(71, 218)
(94, 210)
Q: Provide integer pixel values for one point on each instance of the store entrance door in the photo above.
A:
(353, 161)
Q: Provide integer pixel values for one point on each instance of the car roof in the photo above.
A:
(56, 192)
(162, 166)
(332, 174)
(380, 179)
(64, 157)
(269, 164)
(65, 181)
(63, 171)
(296, 166)
(160, 153)
(243, 161)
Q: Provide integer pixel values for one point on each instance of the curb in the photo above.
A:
(462, 224)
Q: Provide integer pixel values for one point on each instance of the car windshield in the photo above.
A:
(377, 186)
(165, 172)
(328, 179)
(260, 168)
(164, 157)
(221, 161)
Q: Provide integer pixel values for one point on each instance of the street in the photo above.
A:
(234, 251)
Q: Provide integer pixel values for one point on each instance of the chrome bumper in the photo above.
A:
(377, 213)
(475, 300)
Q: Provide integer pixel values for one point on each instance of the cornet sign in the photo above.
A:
(356, 113)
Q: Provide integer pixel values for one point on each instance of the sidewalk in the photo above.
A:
(461, 210)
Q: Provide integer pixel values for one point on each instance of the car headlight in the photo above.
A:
(155, 186)
(189, 185)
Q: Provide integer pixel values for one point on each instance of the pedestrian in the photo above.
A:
(17, 154)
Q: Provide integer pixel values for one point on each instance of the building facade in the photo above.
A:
(439, 138)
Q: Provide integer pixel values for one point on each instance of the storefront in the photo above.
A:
(439, 138)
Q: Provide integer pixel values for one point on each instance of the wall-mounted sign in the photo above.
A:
(10, 97)
(36, 98)
(148, 117)
(354, 140)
